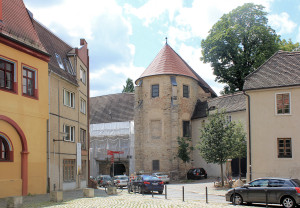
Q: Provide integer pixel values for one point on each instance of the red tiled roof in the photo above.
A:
(16, 23)
(169, 62)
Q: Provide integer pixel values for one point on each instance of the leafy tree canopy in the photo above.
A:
(288, 45)
(239, 43)
(129, 86)
(184, 149)
(221, 140)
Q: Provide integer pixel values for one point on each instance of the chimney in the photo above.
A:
(82, 41)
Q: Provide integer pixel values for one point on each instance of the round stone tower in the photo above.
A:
(165, 98)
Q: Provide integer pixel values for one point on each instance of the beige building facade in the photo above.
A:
(165, 98)
(234, 106)
(68, 129)
(273, 116)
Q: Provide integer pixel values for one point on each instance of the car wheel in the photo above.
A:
(237, 199)
(160, 192)
(288, 202)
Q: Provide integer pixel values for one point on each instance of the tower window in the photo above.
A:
(186, 91)
(155, 91)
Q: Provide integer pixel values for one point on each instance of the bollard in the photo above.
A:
(166, 195)
(206, 195)
(152, 190)
(183, 193)
(233, 199)
(134, 189)
(266, 190)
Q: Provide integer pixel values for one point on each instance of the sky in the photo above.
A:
(125, 36)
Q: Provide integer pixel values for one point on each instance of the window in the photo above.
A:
(259, 183)
(69, 66)
(283, 103)
(284, 147)
(186, 129)
(173, 81)
(5, 153)
(155, 164)
(59, 61)
(69, 98)
(185, 91)
(7, 72)
(82, 106)
(155, 91)
(83, 170)
(228, 119)
(69, 170)
(82, 75)
(70, 131)
(29, 81)
(83, 139)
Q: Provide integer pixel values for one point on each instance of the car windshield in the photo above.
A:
(150, 178)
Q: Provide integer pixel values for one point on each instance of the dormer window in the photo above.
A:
(69, 66)
(59, 61)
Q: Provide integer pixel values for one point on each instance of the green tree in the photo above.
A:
(240, 144)
(129, 86)
(184, 149)
(239, 43)
(288, 45)
(217, 140)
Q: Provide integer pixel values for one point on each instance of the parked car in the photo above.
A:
(279, 191)
(120, 180)
(196, 173)
(146, 183)
(104, 180)
(162, 176)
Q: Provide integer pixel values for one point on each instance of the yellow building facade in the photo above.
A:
(23, 107)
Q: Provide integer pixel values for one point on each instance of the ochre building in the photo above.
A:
(23, 105)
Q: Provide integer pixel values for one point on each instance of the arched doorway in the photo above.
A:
(24, 153)
(118, 169)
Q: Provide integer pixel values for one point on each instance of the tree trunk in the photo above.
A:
(185, 170)
(240, 168)
(222, 177)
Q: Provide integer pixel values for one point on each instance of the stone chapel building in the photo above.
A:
(165, 98)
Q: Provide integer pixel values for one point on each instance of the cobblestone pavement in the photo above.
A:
(194, 197)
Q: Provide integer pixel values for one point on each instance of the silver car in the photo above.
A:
(162, 176)
(267, 190)
(120, 180)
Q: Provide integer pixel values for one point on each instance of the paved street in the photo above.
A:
(194, 197)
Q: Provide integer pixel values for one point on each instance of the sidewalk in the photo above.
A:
(124, 199)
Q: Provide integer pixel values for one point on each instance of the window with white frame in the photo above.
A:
(82, 106)
(283, 105)
(69, 98)
(82, 75)
(70, 133)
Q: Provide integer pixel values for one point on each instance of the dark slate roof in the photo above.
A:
(168, 62)
(281, 70)
(53, 45)
(112, 108)
(230, 103)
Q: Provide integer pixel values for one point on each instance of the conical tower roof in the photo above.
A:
(168, 62)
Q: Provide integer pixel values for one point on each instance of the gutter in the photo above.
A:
(249, 130)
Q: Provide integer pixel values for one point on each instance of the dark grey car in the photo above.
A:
(275, 190)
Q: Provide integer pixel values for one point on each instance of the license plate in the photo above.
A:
(155, 184)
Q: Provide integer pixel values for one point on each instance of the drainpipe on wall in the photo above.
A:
(49, 135)
(249, 130)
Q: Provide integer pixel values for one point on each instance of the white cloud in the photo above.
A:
(153, 9)
(281, 23)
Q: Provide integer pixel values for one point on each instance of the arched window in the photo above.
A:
(5, 150)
